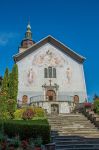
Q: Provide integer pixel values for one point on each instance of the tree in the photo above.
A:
(13, 83)
(96, 97)
(15, 76)
(1, 82)
(5, 81)
(13, 90)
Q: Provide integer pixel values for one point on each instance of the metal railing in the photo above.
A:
(58, 98)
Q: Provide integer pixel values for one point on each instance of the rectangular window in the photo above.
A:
(54, 72)
(45, 73)
(50, 72)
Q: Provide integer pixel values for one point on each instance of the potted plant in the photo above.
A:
(38, 143)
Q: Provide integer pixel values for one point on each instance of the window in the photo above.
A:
(54, 72)
(45, 73)
(24, 99)
(50, 72)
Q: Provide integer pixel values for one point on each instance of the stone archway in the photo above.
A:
(51, 95)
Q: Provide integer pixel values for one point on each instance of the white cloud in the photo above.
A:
(6, 37)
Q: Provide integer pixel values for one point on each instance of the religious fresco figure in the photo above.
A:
(68, 74)
(30, 76)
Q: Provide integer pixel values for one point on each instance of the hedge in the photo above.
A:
(28, 129)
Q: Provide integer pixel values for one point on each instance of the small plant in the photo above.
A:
(39, 112)
(24, 144)
(38, 143)
(96, 106)
(28, 114)
(18, 113)
(87, 105)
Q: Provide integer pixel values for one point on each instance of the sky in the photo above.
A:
(73, 22)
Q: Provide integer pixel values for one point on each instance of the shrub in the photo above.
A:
(28, 114)
(11, 105)
(87, 105)
(96, 106)
(28, 129)
(18, 114)
(39, 112)
(6, 115)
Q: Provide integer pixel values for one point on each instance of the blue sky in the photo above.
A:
(73, 22)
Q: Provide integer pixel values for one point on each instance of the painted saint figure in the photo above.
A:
(68, 74)
(30, 76)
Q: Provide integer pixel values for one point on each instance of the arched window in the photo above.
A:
(76, 99)
(45, 73)
(50, 72)
(54, 72)
(24, 99)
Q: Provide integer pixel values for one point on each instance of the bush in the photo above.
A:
(39, 112)
(87, 105)
(28, 114)
(96, 106)
(28, 129)
(11, 106)
(18, 114)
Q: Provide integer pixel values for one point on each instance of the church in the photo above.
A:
(50, 74)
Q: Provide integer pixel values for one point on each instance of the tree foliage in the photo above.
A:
(96, 97)
(13, 83)
(96, 106)
(5, 83)
(9, 90)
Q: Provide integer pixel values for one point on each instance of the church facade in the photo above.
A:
(50, 74)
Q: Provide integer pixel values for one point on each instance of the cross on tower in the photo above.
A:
(50, 81)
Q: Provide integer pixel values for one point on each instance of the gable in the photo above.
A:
(53, 42)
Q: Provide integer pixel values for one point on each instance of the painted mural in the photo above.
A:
(68, 74)
(49, 58)
(30, 76)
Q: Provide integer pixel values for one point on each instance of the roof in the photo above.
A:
(53, 41)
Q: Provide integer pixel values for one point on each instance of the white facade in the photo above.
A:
(69, 80)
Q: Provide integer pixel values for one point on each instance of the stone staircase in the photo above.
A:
(73, 132)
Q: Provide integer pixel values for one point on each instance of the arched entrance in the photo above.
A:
(51, 95)
(24, 99)
(54, 109)
(76, 99)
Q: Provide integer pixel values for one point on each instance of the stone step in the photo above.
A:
(76, 130)
(87, 135)
(76, 142)
(79, 119)
(77, 146)
(84, 148)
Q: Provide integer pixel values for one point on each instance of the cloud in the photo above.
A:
(6, 37)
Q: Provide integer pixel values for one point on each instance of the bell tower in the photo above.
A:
(27, 41)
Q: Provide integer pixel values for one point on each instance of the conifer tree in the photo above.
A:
(13, 83)
(13, 90)
(5, 82)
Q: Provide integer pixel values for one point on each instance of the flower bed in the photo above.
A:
(16, 144)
